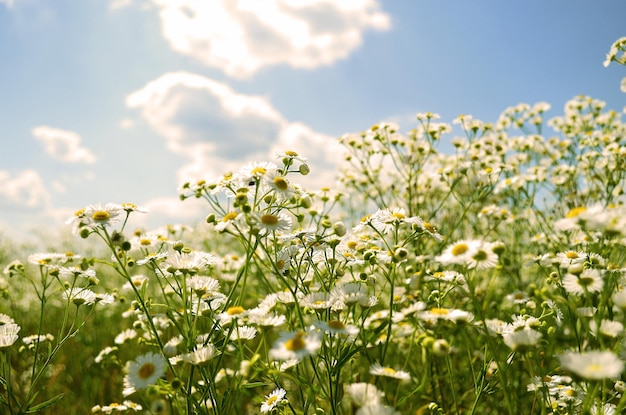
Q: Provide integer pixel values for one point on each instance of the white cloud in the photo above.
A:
(26, 189)
(9, 3)
(242, 36)
(119, 4)
(63, 145)
(217, 129)
(126, 124)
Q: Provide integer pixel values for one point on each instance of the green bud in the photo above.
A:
(304, 169)
(441, 347)
(306, 202)
(340, 229)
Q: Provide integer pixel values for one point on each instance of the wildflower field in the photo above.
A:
(486, 280)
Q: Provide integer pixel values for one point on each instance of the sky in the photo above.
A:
(124, 100)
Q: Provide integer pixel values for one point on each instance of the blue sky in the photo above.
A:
(121, 100)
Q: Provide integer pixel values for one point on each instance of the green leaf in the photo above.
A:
(43, 405)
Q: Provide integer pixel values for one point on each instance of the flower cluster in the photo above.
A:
(487, 279)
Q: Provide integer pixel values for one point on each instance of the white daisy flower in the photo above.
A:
(143, 371)
(273, 400)
(296, 345)
(378, 370)
(594, 365)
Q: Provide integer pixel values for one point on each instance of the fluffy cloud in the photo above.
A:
(9, 3)
(63, 145)
(218, 129)
(26, 189)
(242, 36)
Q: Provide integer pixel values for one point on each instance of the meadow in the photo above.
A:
(486, 280)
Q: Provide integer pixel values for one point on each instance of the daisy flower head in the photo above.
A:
(296, 345)
(279, 184)
(386, 220)
(199, 356)
(289, 155)
(152, 257)
(593, 365)
(202, 284)
(232, 313)
(446, 276)
(94, 216)
(455, 315)
(607, 328)
(521, 340)
(317, 301)
(483, 257)
(338, 327)
(255, 173)
(188, 263)
(567, 258)
(52, 259)
(242, 333)
(378, 370)
(273, 222)
(273, 400)
(460, 252)
(77, 271)
(231, 218)
(589, 281)
(8, 334)
(363, 394)
(350, 293)
(80, 296)
(144, 371)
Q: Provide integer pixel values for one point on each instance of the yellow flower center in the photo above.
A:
(145, 242)
(259, 171)
(271, 400)
(79, 212)
(571, 255)
(281, 183)
(296, 343)
(229, 216)
(459, 249)
(398, 215)
(430, 228)
(146, 370)
(480, 256)
(101, 215)
(390, 371)
(439, 311)
(269, 219)
(291, 153)
(585, 281)
(575, 212)
(336, 325)
(233, 311)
